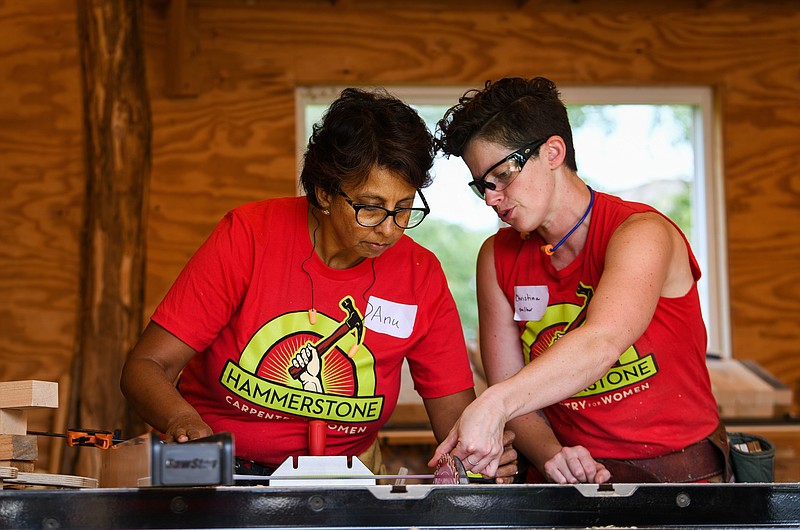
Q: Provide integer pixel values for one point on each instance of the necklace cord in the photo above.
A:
(312, 311)
(550, 249)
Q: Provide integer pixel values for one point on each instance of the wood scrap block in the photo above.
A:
(24, 466)
(28, 394)
(18, 447)
(13, 421)
(127, 464)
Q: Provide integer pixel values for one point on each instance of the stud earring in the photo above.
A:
(326, 211)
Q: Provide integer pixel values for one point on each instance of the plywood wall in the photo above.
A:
(43, 185)
(232, 140)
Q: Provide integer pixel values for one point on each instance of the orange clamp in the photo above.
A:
(101, 439)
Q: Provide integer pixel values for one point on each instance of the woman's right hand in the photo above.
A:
(186, 427)
(573, 465)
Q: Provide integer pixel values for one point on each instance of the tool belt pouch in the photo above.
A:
(752, 456)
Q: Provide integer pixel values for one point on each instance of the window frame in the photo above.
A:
(708, 198)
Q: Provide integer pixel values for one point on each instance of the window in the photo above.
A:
(653, 145)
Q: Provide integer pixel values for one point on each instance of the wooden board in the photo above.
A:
(26, 466)
(46, 479)
(18, 447)
(13, 421)
(28, 394)
(740, 393)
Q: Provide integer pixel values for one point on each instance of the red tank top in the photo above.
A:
(657, 398)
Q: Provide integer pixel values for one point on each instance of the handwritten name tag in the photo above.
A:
(390, 318)
(530, 302)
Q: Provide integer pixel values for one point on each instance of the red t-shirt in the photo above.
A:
(242, 302)
(657, 398)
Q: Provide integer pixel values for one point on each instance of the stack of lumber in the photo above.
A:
(18, 449)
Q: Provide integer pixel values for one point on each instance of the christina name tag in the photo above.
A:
(390, 318)
(530, 302)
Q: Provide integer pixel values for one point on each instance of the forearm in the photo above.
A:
(534, 439)
(576, 361)
(443, 412)
(153, 396)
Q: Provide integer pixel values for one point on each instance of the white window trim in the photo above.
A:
(708, 217)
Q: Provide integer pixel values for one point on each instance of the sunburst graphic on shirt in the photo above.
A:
(262, 376)
(632, 368)
(338, 371)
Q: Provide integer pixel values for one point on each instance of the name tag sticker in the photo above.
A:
(530, 302)
(390, 318)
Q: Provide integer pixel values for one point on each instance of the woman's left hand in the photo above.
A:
(573, 465)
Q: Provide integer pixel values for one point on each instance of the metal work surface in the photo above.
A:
(413, 506)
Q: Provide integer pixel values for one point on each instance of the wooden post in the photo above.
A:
(117, 127)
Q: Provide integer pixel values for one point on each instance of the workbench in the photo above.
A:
(412, 506)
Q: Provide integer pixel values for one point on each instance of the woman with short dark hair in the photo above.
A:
(302, 310)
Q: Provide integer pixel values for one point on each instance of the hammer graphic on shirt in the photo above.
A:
(353, 321)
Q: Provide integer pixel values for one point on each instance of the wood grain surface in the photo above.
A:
(41, 171)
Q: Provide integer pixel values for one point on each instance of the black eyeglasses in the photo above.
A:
(502, 174)
(368, 215)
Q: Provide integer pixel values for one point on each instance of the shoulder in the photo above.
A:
(647, 227)
(648, 239)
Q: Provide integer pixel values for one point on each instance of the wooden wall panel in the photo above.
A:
(41, 201)
(40, 165)
(227, 150)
